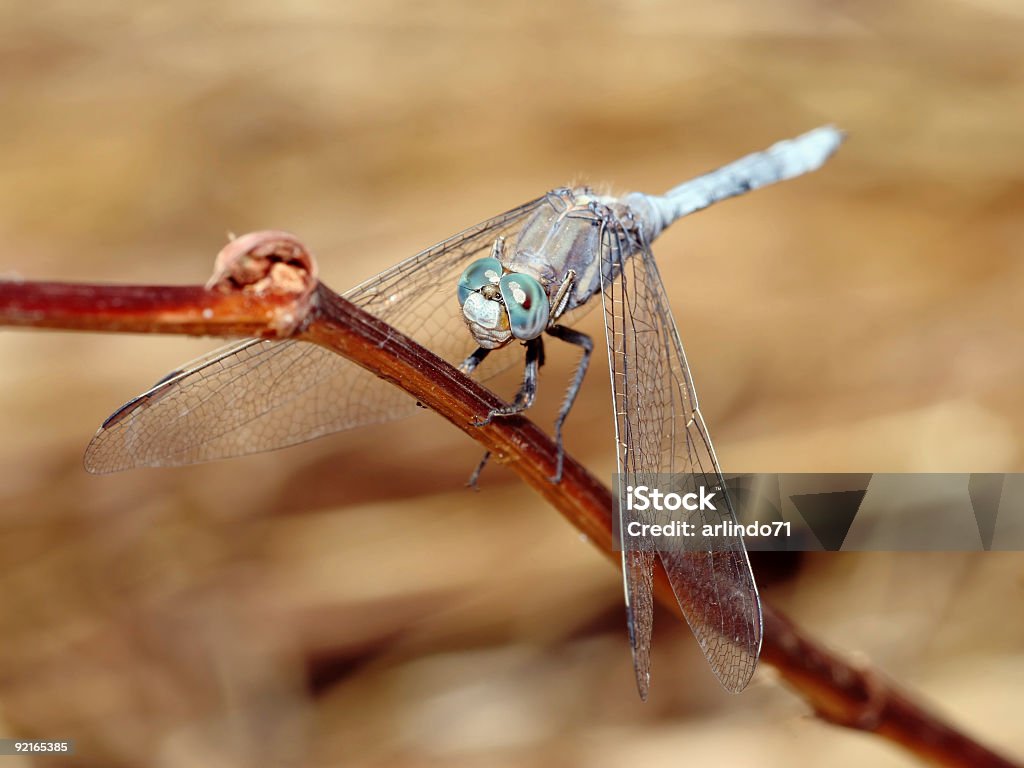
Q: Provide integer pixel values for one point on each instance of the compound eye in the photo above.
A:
(527, 305)
(478, 274)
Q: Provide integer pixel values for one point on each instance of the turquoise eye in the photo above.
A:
(478, 274)
(527, 305)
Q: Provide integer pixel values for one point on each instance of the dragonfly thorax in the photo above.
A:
(499, 306)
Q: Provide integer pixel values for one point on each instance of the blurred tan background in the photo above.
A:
(348, 602)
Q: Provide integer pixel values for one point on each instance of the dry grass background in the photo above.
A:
(347, 602)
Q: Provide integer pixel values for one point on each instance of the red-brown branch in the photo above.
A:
(265, 286)
(190, 310)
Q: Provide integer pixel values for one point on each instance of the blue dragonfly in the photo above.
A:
(513, 279)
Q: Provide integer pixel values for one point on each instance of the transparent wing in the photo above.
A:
(660, 431)
(257, 395)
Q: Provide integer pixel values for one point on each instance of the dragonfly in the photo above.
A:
(511, 280)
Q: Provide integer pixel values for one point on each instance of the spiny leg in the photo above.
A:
(470, 363)
(587, 344)
(474, 479)
(523, 400)
(467, 367)
(561, 300)
(528, 391)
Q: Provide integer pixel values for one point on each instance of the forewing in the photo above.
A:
(660, 431)
(256, 395)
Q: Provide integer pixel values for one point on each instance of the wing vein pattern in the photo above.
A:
(257, 395)
(660, 432)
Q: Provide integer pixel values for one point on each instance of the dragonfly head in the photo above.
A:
(500, 306)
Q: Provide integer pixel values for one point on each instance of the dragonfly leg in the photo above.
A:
(524, 398)
(467, 367)
(528, 391)
(470, 363)
(587, 345)
(474, 479)
(561, 300)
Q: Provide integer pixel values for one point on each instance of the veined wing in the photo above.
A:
(257, 395)
(660, 431)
